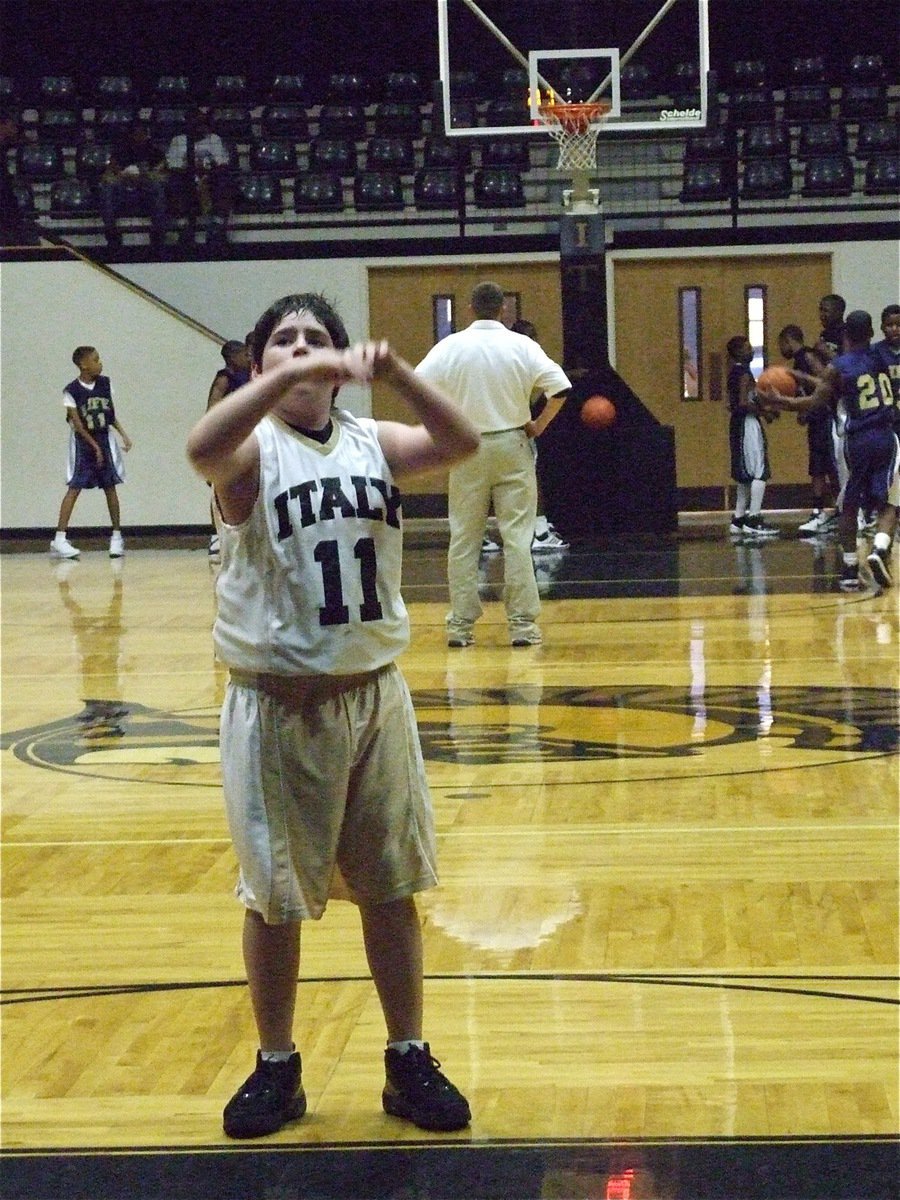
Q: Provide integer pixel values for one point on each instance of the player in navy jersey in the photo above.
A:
(819, 424)
(227, 379)
(747, 441)
(95, 460)
(888, 351)
(859, 384)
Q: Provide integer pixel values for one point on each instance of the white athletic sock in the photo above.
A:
(402, 1047)
(882, 541)
(851, 558)
(276, 1055)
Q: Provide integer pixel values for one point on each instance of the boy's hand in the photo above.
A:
(98, 454)
(126, 443)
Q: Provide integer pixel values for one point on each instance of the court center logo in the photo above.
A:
(488, 737)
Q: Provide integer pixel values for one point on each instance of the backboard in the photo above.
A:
(500, 59)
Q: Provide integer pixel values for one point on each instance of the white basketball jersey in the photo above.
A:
(310, 582)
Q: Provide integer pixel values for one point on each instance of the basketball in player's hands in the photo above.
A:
(777, 379)
(598, 412)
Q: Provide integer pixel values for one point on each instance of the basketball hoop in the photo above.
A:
(575, 127)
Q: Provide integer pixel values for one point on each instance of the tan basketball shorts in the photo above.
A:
(325, 786)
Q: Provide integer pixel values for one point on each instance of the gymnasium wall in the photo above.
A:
(161, 366)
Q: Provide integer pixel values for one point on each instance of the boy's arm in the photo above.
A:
(445, 435)
(126, 440)
(218, 389)
(827, 387)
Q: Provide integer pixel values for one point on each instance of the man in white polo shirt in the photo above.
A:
(492, 374)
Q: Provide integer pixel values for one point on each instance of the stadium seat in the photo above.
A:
(807, 70)
(750, 105)
(288, 89)
(769, 139)
(685, 83)
(167, 120)
(704, 182)
(636, 82)
(24, 194)
(767, 179)
(390, 154)
(445, 152)
(749, 73)
(230, 89)
(62, 125)
(58, 91)
(257, 193)
(114, 91)
(819, 138)
(72, 198)
(373, 190)
(506, 152)
(437, 187)
(883, 175)
(507, 112)
(807, 102)
(866, 68)
(332, 154)
(39, 160)
(499, 187)
(343, 121)
(8, 90)
(92, 160)
(396, 119)
(877, 137)
(112, 122)
(347, 88)
(830, 175)
(234, 122)
(464, 85)
(173, 91)
(285, 119)
(271, 156)
(404, 87)
(318, 191)
(710, 145)
(863, 102)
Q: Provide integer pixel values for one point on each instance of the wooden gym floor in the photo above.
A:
(662, 961)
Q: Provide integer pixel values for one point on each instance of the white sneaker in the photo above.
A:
(548, 539)
(116, 545)
(61, 547)
(816, 522)
(214, 547)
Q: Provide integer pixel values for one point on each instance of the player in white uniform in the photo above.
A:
(323, 776)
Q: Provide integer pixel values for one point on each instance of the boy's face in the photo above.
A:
(890, 327)
(829, 313)
(745, 352)
(90, 365)
(295, 335)
(787, 347)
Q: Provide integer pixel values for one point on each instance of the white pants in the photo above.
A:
(502, 470)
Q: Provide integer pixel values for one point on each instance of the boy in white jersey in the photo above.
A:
(322, 770)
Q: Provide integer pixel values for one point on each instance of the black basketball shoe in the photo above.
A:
(417, 1091)
(272, 1096)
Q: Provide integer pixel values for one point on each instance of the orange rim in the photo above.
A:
(574, 118)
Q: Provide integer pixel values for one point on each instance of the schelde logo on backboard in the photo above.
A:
(678, 114)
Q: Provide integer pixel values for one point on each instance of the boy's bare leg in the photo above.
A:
(65, 509)
(393, 941)
(272, 962)
(112, 503)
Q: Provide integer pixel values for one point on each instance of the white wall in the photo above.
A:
(161, 367)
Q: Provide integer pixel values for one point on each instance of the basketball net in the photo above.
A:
(575, 128)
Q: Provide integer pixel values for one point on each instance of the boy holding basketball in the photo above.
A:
(323, 777)
(819, 424)
(747, 440)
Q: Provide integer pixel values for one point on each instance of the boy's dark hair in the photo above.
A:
(735, 344)
(794, 332)
(311, 302)
(80, 353)
(892, 310)
(835, 301)
(526, 327)
(487, 300)
(858, 326)
(231, 348)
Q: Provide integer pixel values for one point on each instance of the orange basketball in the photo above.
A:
(598, 412)
(777, 379)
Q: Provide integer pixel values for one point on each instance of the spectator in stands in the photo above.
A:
(200, 179)
(14, 229)
(136, 177)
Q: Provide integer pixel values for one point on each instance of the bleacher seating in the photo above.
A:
(818, 138)
(498, 187)
(273, 156)
(883, 175)
(767, 179)
(378, 190)
(285, 119)
(436, 187)
(92, 160)
(390, 153)
(333, 154)
(830, 175)
(318, 191)
(257, 193)
(72, 198)
(704, 181)
(343, 121)
(39, 160)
